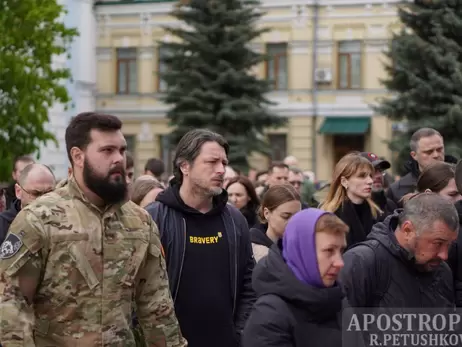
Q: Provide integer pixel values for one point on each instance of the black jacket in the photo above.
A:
(10, 195)
(359, 219)
(172, 228)
(289, 313)
(7, 217)
(385, 266)
(387, 205)
(455, 259)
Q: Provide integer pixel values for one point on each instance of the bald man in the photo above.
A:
(34, 181)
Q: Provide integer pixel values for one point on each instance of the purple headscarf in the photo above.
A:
(299, 246)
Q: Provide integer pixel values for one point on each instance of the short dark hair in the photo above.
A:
(78, 130)
(277, 164)
(190, 146)
(23, 158)
(130, 161)
(156, 166)
(419, 134)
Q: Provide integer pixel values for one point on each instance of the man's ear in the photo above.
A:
(17, 191)
(78, 157)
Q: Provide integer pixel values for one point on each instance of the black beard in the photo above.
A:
(111, 192)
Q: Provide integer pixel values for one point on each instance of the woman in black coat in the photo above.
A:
(299, 302)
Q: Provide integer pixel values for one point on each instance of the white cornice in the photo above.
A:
(165, 8)
(140, 113)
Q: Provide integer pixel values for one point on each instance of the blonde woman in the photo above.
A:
(349, 196)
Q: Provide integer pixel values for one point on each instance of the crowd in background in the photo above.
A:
(217, 258)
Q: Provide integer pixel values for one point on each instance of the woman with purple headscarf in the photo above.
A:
(299, 302)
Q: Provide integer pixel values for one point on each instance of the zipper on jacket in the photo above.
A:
(235, 267)
(182, 261)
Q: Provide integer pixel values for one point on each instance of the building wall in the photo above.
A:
(139, 25)
(82, 87)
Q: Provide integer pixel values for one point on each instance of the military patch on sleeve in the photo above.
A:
(10, 246)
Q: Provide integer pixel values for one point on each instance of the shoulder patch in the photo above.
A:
(10, 246)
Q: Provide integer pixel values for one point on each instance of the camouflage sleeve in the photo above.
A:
(155, 309)
(20, 269)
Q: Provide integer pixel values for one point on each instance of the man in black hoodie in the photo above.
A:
(34, 181)
(403, 261)
(206, 243)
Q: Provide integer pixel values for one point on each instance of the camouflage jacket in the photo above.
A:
(71, 274)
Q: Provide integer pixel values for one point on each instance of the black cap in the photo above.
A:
(379, 164)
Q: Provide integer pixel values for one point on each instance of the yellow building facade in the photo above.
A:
(326, 66)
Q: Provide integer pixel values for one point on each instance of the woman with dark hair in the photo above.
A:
(438, 178)
(279, 203)
(241, 194)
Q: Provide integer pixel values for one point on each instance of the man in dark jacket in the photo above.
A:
(206, 243)
(378, 192)
(403, 261)
(427, 146)
(34, 181)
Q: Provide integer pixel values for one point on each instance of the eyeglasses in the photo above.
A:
(36, 193)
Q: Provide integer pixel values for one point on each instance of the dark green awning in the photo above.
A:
(345, 125)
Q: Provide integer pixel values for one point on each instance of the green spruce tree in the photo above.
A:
(425, 73)
(209, 79)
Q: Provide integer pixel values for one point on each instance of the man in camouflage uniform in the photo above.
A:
(76, 260)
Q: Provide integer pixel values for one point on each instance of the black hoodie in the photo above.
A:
(384, 266)
(203, 303)
(290, 313)
(7, 217)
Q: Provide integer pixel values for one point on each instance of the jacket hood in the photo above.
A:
(10, 214)
(385, 234)
(171, 197)
(272, 276)
(258, 236)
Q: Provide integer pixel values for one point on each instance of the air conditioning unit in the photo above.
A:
(323, 75)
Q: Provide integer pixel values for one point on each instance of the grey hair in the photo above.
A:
(424, 209)
(31, 168)
(421, 133)
(190, 147)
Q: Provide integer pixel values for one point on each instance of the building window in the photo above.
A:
(162, 53)
(131, 143)
(277, 66)
(167, 153)
(278, 145)
(349, 65)
(127, 71)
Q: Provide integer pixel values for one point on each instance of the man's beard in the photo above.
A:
(111, 192)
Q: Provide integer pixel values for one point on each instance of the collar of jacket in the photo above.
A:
(76, 192)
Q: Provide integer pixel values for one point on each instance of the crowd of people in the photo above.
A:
(210, 257)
